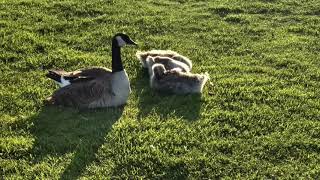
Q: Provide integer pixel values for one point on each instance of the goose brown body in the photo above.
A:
(92, 88)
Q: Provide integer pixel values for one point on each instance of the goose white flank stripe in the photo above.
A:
(63, 82)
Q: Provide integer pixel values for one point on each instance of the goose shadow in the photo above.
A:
(68, 132)
(165, 104)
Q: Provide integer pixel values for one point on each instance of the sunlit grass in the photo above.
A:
(257, 118)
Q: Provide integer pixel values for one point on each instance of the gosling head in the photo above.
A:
(158, 70)
(121, 40)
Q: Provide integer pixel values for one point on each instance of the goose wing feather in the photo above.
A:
(83, 93)
(82, 74)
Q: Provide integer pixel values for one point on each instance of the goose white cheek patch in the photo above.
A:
(121, 42)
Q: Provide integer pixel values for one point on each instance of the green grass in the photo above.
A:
(259, 116)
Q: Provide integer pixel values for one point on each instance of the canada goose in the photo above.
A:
(170, 59)
(167, 62)
(94, 87)
(175, 81)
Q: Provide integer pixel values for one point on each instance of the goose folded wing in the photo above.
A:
(82, 94)
(83, 74)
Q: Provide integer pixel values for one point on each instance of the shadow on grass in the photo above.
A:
(164, 104)
(60, 132)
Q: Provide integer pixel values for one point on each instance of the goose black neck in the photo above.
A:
(116, 57)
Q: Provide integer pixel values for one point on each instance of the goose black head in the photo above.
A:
(122, 39)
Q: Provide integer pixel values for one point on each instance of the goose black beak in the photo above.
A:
(133, 43)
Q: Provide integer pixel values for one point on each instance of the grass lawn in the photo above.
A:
(259, 116)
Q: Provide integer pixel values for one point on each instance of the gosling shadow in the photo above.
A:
(68, 132)
(165, 104)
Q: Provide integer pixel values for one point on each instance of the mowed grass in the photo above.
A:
(258, 117)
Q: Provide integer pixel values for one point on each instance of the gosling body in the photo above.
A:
(175, 81)
(167, 62)
(170, 59)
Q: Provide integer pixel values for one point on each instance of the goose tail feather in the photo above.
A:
(54, 75)
(58, 77)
